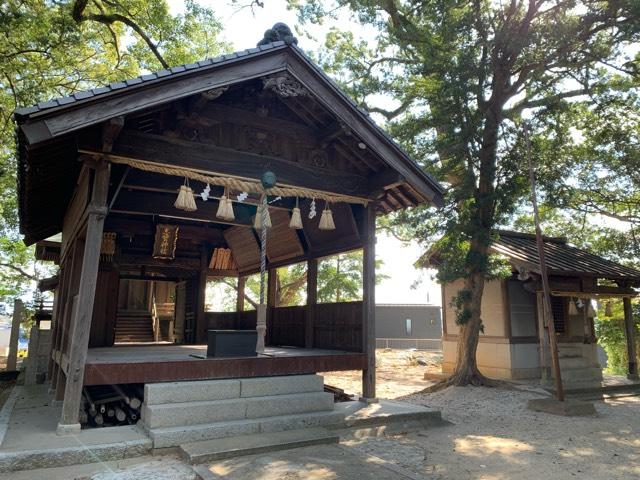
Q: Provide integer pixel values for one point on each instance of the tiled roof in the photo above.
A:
(560, 257)
(83, 95)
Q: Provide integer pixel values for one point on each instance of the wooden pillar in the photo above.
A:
(240, 292)
(312, 300)
(631, 341)
(81, 320)
(12, 360)
(369, 304)
(201, 326)
(272, 288)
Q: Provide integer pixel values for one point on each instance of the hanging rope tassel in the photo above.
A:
(257, 223)
(296, 217)
(326, 219)
(225, 208)
(185, 200)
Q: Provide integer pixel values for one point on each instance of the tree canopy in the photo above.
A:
(456, 80)
(51, 49)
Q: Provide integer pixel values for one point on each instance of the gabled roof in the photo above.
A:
(49, 128)
(561, 258)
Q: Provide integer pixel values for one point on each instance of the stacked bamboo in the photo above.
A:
(222, 259)
(110, 405)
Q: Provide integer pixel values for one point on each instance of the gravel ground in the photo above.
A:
(494, 437)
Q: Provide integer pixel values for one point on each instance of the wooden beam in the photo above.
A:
(312, 300)
(110, 132)
(629, 328)
(385, 180)
(81, 321)
(153, 203)
(369, 304)
(215, 114)
(124, 260)
(209, 158)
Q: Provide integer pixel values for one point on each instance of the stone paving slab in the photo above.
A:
(220, 448)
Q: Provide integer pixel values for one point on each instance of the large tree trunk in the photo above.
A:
(466, 371)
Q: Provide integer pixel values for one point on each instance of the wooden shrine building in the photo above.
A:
(104, 168)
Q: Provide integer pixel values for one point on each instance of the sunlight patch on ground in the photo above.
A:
(482, 445)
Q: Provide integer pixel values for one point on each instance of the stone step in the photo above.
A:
(174, 436)
(195, 413)
(568, 350)
(211, 450)
(585, 374)
(574, 362)
(203, 390)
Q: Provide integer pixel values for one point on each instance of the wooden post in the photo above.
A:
(546, 289)
(369, 304)
(201, 327)
(240, 291)
(272, 288)
(12, 360)
(631, 340)
(81, 320)
(312, 300)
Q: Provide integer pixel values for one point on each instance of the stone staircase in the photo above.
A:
(180, 413)
(578, 371)
(134, 326)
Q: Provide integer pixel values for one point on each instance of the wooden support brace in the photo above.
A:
(82, 314)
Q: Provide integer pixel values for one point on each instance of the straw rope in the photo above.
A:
(236, 183)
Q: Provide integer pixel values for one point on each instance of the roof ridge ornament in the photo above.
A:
(284, 85)
(279, 32)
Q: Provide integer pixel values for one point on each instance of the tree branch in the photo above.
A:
(80, 16)
(19, 270)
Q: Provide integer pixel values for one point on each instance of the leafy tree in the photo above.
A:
(54, 48)
(462, 76)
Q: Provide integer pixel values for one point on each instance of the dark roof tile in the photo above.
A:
(149, 76)
(99, 90)
(133, 81)
(83, 95)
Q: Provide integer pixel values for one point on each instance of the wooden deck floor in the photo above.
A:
(168, 363)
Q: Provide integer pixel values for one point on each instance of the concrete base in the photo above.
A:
(368, 400)
(71, 429)
(633, 376)
(568, 408)
(218, 449)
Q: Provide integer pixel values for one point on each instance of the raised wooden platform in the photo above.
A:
(168, 363)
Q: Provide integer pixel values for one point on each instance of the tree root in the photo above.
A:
(475, 379)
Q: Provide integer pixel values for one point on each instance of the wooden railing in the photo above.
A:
(336, 326)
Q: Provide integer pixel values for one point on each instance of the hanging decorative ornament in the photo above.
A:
(579, 303)
(205, 193)
(296, 218)
(312, 209)
(608, 309)
(572, 307)
(257, 223)
(591, 312)
(225, 208)
(242, 196)
(185, 200)
(326, 219)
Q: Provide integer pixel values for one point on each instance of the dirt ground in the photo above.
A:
(398, 373)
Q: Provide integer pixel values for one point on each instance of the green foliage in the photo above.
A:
(51, 49)
(610, 331)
